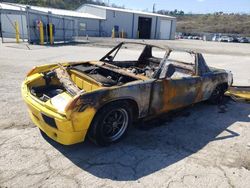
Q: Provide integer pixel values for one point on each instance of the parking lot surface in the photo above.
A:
(200, 146)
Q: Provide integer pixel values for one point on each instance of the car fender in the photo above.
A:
(139, 92)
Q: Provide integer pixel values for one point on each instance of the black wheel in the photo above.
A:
(110, 124)
(217, 95)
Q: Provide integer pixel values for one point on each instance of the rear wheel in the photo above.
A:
(217, 95)
(110, 124)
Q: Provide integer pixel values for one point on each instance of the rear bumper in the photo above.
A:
(64, 132)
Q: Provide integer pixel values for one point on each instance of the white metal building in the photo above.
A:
(136, 24)
(91, 20)
(67, 24)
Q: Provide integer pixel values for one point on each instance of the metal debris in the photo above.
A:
(239, 93)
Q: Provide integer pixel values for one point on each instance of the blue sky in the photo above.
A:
(195, 6)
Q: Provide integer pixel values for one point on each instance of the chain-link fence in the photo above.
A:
(41, 25)
(63, 28)
(13, 24)
(18, 26)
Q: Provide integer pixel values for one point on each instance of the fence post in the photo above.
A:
(138, 34)
(28, 23)
(22, 27)
(51, 37)
(64, 38)
(47, 30)
(113, 33)
(41, 32)
(75, 31)
(17, 32)
(1, 32)
(122, 33)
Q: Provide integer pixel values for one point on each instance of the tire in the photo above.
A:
(217, 95)
(110, 124)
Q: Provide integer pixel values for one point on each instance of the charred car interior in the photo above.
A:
(102, 98)
(151, 60)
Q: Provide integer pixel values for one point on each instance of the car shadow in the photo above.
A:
(158, 143)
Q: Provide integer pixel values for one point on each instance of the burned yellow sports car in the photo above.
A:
(101, 99)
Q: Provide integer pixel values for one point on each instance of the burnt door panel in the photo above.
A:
(144, 27)
(171, 94)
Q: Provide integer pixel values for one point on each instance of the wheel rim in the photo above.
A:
(115, 124)
(217, 95)
(216, 92)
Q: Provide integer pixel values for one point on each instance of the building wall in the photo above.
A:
(173, 29)
(115, 18)
(128, 22)
(90, 27)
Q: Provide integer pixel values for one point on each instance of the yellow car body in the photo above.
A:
(70, 129)
(64, 99)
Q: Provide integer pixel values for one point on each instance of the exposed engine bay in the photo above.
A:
(74, 80)
(45, 93)
(102, 75)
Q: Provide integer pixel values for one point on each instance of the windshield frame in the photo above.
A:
(107, 58)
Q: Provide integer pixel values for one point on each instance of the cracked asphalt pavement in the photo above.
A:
(200, 146)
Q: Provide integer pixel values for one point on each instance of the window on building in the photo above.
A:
(82, 26)
(114, 14)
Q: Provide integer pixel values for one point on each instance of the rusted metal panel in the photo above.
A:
(239, 93)
(139, 92)
(170, 94)
(210, 81)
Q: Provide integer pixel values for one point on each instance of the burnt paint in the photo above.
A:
(169, 94)
(154, 97)
(138, 91)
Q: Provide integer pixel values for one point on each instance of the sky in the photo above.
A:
(194, 6)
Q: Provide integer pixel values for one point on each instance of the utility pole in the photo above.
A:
(154, 8)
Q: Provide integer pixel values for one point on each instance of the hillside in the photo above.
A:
(234, 23)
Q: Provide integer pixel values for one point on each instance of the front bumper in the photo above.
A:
(64, 132)
(65, 138)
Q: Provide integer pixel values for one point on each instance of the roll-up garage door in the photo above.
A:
(165, 29)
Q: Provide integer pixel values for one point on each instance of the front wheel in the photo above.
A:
(110, 124)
